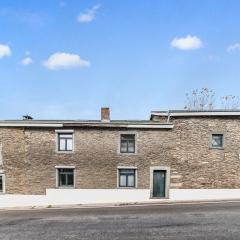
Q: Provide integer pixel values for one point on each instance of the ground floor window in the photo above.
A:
(127, 177)
(2, 183)
(65, 177)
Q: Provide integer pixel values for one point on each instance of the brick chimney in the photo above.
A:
(105, 114)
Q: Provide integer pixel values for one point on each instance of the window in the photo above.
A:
(127, 144)
(217, 141)
(127, 177)
(65, 177)
(65, 142)
(2, 183)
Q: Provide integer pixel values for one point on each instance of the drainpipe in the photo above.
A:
(168, 119)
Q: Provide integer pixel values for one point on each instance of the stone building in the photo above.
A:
(174, 150)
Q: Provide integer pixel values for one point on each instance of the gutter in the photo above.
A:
(49, 125)
(89, 125)
(195, 114)
(130, 126)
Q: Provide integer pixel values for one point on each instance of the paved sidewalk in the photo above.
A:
(116, 205)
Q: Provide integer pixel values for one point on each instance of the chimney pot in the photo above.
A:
(105, 114)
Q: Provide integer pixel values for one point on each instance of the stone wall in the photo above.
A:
(206, 167)
(29, 156)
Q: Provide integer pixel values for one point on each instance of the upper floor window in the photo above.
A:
(217, 141)
(127, 143)
(65, 142)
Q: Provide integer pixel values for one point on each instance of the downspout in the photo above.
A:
(168, 119)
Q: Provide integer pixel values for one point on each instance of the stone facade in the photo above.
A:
(29, 156)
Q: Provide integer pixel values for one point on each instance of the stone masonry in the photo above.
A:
(29, 155)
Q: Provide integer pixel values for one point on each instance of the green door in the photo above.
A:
(159, 180)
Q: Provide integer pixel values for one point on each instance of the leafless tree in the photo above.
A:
(200, 99)
(230, 102)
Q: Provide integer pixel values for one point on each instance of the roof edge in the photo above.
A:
(182, 113)
(46, 125)
(89, 125)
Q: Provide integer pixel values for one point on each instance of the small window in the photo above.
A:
(1, 183)
(127, 177)
(65, 177)
(127, 144)
(217, 141)
(65, 142)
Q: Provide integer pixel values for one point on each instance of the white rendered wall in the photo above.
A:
(12, 200)
(90, 196)
(98, 196)
(204, 194)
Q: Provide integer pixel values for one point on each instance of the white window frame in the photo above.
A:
(119, 142)
(136, 177)
(2, 174)
(57, 176)
(67, 131)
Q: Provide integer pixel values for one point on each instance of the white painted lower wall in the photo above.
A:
(204, 194)
(97, 196)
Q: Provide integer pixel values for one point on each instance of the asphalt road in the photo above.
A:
(198, 221)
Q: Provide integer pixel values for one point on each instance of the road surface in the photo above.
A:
(184, 221)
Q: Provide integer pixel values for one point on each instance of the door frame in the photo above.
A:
(2, 174)
(167, 180)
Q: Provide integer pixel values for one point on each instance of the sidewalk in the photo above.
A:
(119, 205)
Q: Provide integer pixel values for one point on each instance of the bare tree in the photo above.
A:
(230, 102)
(200, 99)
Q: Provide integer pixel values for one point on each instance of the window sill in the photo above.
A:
(127, 187)
(217, 148)
(65, 152)
(127, 154)
(65, 187)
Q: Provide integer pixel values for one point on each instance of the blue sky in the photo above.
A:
(64, 59)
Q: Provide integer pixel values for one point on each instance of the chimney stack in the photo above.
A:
(105, 114)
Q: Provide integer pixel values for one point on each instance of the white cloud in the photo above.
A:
(5, 51)
(88, 15)
(61, 60)
(234, 47)
(187, 43)
(26, 61)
